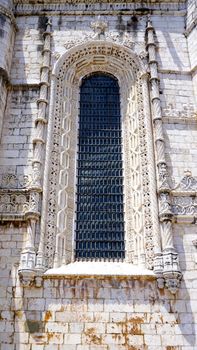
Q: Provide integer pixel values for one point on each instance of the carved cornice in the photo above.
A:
(111, 6)
(146, 2)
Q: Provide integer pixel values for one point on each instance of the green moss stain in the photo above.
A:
(34, 326)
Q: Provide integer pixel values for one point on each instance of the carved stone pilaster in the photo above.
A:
(171, 271)
(39, 139)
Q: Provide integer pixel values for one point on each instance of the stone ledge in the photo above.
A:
(100, 269)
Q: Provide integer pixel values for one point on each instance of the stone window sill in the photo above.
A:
(119, 269)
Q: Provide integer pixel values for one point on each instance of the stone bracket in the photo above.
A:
(30, 278)
(168, 271)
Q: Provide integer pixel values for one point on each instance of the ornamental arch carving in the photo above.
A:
(140, 202)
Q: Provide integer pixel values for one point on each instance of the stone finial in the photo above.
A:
(99, 27)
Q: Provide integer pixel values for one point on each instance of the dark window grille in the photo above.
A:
(99, 216)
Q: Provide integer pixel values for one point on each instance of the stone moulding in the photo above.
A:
(89, 7)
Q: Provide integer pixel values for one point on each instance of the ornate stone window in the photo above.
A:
(147, 230)
(141, 234)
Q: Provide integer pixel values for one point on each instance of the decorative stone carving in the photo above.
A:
(74, 42)
(115, 37)
(28, 256)
(163, 182)
(184, 205)
(188, 183)
(29, 266)
(22, 204)
(40, 122)
(12, 181)
(7, 12)
(171, 269)
(187, 111)
(99, 27)
(91, 6)
(173, 281)
(158, 268)
(172, 273)
(184, 199)
(56, 55)
(18, 204)
(61, 150)
(164, 206)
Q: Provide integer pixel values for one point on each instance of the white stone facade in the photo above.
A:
(48, 300)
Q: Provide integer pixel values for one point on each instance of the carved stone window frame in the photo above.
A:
(141, 212)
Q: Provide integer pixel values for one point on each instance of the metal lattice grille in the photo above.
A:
(99, 219)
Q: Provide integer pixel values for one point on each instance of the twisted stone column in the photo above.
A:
(171, 270)
(39, 140)
(40, 121)
(158, 258)
(31, 264)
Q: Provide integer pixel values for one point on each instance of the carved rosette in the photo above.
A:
(171, 270)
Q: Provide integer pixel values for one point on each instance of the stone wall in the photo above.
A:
(103, 313)
(86, 313)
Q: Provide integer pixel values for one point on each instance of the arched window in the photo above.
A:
(72, 225)
(99, 210)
